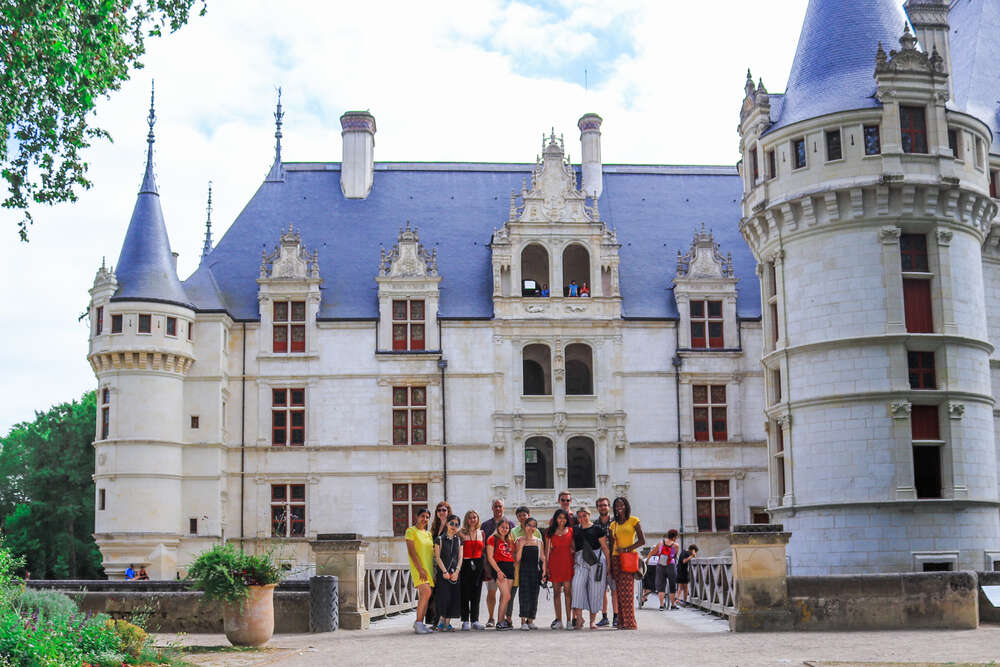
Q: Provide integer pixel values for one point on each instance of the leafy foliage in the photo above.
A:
(47, 493)
(57, 57)
(45, 605)
(131, 637)
(225, 573)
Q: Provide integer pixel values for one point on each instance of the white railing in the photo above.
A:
(712, 584)
(389, 589)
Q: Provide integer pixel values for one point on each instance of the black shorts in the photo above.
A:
(507, 568)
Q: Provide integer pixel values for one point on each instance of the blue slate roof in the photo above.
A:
(145, 269)
(835, 59)
(655, 210)
(975, 47)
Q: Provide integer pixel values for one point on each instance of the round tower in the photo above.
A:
(866, 204)
(140, 349)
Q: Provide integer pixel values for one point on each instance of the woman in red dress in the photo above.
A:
(559, 565)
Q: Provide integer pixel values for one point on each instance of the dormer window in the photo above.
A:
(408, 328)
(706, 324)
(289, 333)
(913, 129)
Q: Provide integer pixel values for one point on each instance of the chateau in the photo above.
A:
(808, 338)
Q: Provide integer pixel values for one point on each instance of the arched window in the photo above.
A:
(580, 461)
(538, 463)
(576, 268)
(537, 370)
(579, 370)
(534, 270)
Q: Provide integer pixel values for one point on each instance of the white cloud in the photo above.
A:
(442, 82)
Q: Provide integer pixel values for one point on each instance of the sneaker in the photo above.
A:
(466, 626)
(440, 627)
(604, 622)
(524, 626)
(556, 625)
(532, 626)
(477, 626)
(490, 623)
(674, 607)
(504, 625)
(421, 629)
(450, 628)
(662, 607)
(615, 621)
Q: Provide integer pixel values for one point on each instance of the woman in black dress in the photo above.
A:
(530, 557)
(448, 557)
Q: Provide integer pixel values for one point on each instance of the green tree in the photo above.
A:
(47, 493)
(57, 57)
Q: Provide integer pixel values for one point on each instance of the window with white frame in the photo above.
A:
(289, 334)
(288, 416)
(709, 412)
(409, 415)
(706, 324)
(407, 500)
(288, 510)
(712, 499)
(408, 324)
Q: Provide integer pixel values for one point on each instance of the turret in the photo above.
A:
(866, 205)
(140, 349)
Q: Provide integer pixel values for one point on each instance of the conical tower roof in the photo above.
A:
(145, 269)
(835, 59)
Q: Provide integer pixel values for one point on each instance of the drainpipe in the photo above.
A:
(443, 364)
(676, 362)
(243, 426)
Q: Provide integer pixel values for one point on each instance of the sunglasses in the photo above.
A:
(453, 523)
(442, 509)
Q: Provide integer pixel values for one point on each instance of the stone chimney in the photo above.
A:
(590, 141)
(357, 167)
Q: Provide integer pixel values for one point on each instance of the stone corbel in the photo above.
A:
(518, 429)
(889, 235)
(900, 409)
(620, 440)
(602, 480)
(740, 474)
(621, 489)
(944, 237)
(784, 421)
(956, 410)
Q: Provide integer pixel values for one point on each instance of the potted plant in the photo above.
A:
(244, 584)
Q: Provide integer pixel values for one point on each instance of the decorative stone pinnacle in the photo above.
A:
(278, 116)
(207, 248)
(148, 180)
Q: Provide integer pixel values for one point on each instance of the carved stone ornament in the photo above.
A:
(703, 259)
(621, 489)
(289, 260)
(784, 421)
(889, 234)
(559, 422)
(900, 409)
(518, 426)
(553, 196)
(408, 258)
(956, 410)
(620, 441)
(105, 277)
(909, 58)
(944, 237)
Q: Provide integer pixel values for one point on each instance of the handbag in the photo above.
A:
(589, 557)
(630, 561)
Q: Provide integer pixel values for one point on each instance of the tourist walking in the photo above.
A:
(500, 556)
(666, 570)
(604, 522)
(627, 538)
(448, 556)
(590, 568)
(530, 559)
(470, 579)
(489, 576)
(559, 541)
(684, 573)
(420, 548)
(438, 527)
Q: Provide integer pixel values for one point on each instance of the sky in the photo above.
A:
(467, 80)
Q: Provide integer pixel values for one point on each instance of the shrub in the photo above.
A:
(46, 605)
(225, 573)
(132, 638)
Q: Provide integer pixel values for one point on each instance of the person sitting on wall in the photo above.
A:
(574, 289)
(584, 290)
(143, 575)
(545, 289)
(130, 573)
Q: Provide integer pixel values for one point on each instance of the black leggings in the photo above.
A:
(470, 580)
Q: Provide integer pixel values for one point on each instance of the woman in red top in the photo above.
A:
(500, 556)
(559, 565)
(470, 579)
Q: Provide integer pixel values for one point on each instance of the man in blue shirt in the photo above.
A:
(130, 573)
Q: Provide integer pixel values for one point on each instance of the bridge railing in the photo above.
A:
(712, 585)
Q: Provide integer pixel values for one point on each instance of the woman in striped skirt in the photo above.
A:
(590, 573)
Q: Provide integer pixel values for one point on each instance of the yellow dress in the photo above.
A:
(424, 544)
(624, 534)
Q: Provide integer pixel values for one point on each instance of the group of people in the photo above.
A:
(573, 289)
(583, 557)
(132, 575)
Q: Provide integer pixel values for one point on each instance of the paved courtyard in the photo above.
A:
(684, 637)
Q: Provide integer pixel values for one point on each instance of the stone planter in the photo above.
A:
(252, 622)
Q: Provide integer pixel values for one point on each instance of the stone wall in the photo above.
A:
(173, 608)
(884, 601)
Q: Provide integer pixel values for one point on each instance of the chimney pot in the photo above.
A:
(357, 166)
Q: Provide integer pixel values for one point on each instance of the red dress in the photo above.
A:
(561, 557)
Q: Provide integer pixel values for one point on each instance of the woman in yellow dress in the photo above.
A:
(420, 547)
